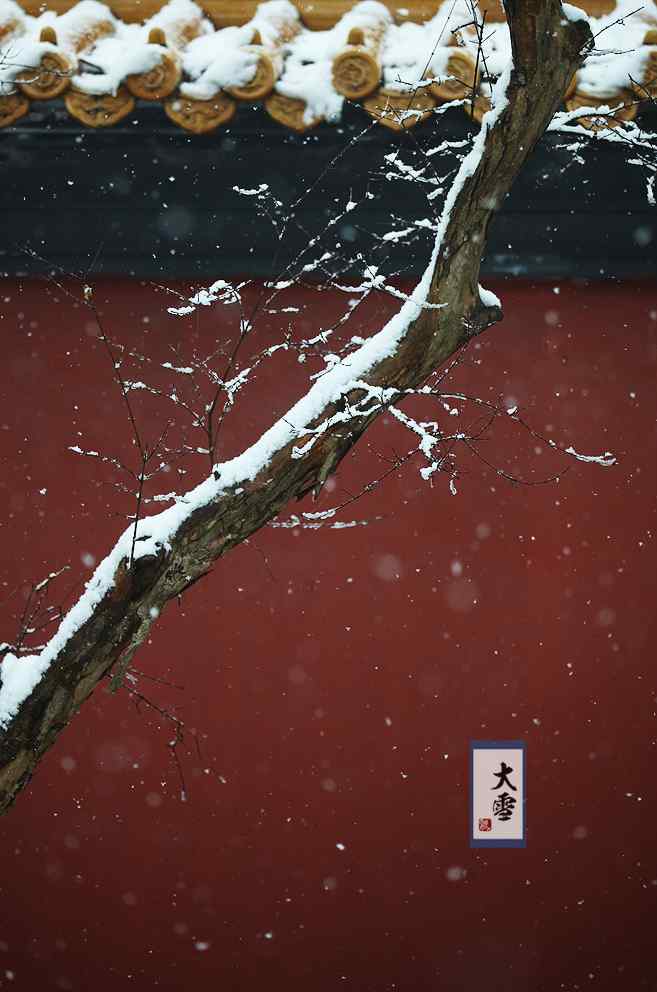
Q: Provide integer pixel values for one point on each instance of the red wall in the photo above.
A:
(333, 680)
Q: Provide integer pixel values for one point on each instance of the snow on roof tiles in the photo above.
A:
(401, 70)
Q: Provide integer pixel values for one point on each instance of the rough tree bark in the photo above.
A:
(547, 49)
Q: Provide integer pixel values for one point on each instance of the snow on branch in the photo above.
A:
(158, 557)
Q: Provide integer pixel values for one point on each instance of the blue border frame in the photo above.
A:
(489, 745)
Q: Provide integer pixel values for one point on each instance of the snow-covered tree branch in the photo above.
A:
(160, 556)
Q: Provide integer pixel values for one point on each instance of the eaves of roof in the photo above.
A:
(401, 61)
